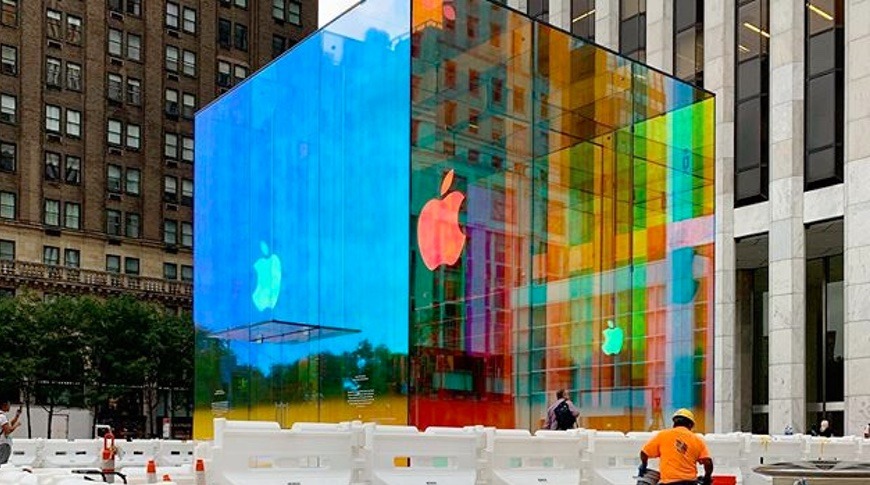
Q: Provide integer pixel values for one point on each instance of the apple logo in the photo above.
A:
(268, 270)
(613, 339)
(684, 286)
(438, 234)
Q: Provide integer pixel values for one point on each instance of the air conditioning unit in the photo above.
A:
(172, 164)
(172, 33)
(172, 77)
(115, 61)
(116, 16)
(53, 44)
(52, 137)
(115, 197)
(172, 207)
(115, 151)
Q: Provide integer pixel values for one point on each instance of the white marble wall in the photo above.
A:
(787, 267)
(606, 23)
(660, 33)
(560, 14)
(857, 219)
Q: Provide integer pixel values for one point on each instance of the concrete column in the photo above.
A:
(607, 23)
(786, 254)
(719, 63)
(521, 5)
(560, 14)
(857, 217)
(660, 33)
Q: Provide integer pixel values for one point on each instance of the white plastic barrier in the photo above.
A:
(174, 453)
(766, 450)
(614, 457)
(26, 452)
(518, 458)
(864, 450)
(401, 455)
(72, 454)
(135, 454)
(727, 452)
(834, 449)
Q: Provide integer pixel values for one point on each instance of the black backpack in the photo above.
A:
(564, 417)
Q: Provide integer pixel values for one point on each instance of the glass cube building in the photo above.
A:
(438, 212)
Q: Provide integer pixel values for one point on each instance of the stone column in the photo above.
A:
(857, 217)
(607, 23)
(787, 355)
(560, 14)
(521, 5)
(719, 63)
(660, 33)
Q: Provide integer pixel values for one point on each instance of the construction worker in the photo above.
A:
(680, 450)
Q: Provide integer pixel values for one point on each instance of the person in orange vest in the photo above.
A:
(680, 451)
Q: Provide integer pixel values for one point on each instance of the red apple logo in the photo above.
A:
(438, 234)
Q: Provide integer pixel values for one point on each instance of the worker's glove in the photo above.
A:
(705, 481)
(641, 471)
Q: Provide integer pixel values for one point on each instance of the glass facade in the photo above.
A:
(487, 210)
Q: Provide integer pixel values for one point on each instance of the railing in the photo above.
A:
(47, 274)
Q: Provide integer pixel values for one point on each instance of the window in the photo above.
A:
(7, 250)
(186, 273)
(187, 149)
(170, 231)
(170, 145)
(10, 13)
(539, 10)
(241, 3)
(8, 108)
(278, 10)
(241, 37)
(187, 192)
(277, 45)
(223, 74)
(52, 166)
(73, 76)
(73, 123)
(189, 20)
(294, 12)
(583, 18)
(172, 11)
(632, 29)
(72, 215)
(52, 72)
(171, 104)
(751, 152)
(7, 205)
(53, 24)
(116, 5)
(115, 89)
(134, 91)
(51, 212)
(171, 58)
(241, 72)
(189, 67)
(170, 189)
(134, 47)
(113, 222)
(187, 234)
(131, 266)
(73, 170)
(113, 263)
(824, 93)
(225, 33)
(115, 40)
(132, 225)
(188, 107)
(73, 29)
(72, 258)
(170, 271)
(7, 157)
(51, 255)
(113, 178)
(471, 27)
(134, 7)
(134, 177)
(133, 136)
(52, 118)
(114, 132)
(10, 60)
(689, 41)
(474, 82)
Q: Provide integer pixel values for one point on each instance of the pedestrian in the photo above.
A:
(6, 429)
(562, 415)
(680, 450)
(825, 430)
(867, 432)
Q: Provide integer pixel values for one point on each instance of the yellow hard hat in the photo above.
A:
(684, 413)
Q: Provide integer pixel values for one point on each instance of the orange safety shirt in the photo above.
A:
(679, 450)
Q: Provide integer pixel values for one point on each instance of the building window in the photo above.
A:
(133, 136)
(113, 263)
(73, 76)
(52, 166)
(189, 20)
(189, 66)
(113, 222)
(113, 134)
(72, 258)
(131, 266)
(225, 28)
(114, 87)
(583, 19)
(241, 72)
(287, 11)
(73, 29)
(51, 255)
(187, 192)
(187, 234)
(241, 37)
(186, 273)
(224, 74)
(52, 118)
(134, 7)
(73, 123)
(53, 24)
(277, 45)
(632, 29)
(7, 250)
(539, 10)
(170, 231)
(132, 225)
(52, 72)
(134, 91)
(113, 178)
(7, 205)
(751, 106)
(134, 177)
(72, 213)
(171, 104)
(170, 271)
(689, 41)
(170, 145)
(188, 105)
(170, 189)
(115, 40)
(172, 15)
(824, 112)
(73, 170)
(187, 149)
(51, 212)
(7, 157)
(116, 5)
(8, 108)
(10, 60)
(10, 13)
(134, 47)
(171, 58)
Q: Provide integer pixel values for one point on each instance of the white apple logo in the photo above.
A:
(268, 270)
(613, 339)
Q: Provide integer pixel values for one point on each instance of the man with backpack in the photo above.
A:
(562, 415)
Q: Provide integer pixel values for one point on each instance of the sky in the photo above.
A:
(329, 9)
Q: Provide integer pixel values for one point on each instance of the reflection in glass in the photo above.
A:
(751, 150)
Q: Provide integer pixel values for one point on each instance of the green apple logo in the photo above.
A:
(613, 339)
(268, 271)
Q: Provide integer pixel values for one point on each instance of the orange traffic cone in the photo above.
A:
(200, 472)
(151, 472)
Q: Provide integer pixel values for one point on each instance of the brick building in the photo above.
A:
(96, 133)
